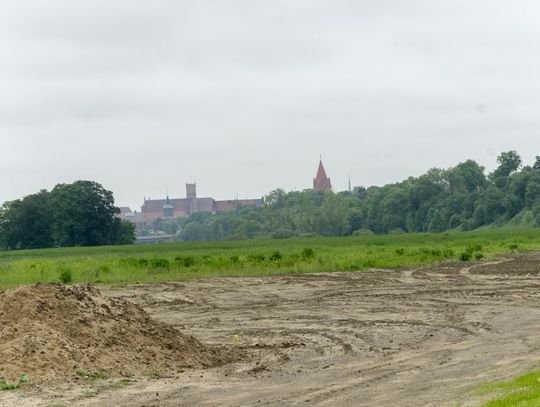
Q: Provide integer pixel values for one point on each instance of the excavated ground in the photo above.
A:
(422, 337)
(53, 333)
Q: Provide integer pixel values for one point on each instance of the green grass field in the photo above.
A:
(182, 261)
(523, 391)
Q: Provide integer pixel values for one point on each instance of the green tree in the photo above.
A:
(466, 177)
(536, 165)
(436, 221)
(26, 223)
(332, 216)
(83, 214)
(125, 232)
(396, 208)
(509, 162)
(194, 232)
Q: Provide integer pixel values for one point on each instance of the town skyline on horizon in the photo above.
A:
(193, 183)
(177, 191)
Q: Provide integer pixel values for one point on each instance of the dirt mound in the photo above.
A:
(53, 332)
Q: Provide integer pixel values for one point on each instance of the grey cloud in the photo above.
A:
(245, 95)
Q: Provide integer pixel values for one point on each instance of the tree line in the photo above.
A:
(462, 197)
(78, 214)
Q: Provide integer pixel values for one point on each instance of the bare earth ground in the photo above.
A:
(421, 337)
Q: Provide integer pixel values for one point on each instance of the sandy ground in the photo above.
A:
(421, 337)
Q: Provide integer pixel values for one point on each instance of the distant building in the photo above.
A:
(154, 209)
(177, 208)
(137, 218)
(168, 209)
(321, 182)
(220, 206)
(191, 197)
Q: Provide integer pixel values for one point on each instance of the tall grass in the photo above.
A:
(187, 260)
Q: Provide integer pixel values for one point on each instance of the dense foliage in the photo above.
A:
(458, 198)
(78, 214)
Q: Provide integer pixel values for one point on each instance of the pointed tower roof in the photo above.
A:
(168, 209)
(167, 204)
(321, 180)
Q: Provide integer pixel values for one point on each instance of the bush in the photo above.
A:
(12, 386)
(307, 253)
(65, 276)
(448, 253)
(400, 251)
(465, 256)
(478, 248)
(142, 262)
(184, 261)
(426, 251)
(275, 256)
(257, 257)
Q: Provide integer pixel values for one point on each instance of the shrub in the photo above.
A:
(307, 253)
(257, 257)
(448, 253)
(465, 256)
(430, 252)
(275, 256)
(141, 262)
(65, 276)
(368, 263)
(184, 261)
(12, 386)
(478, 248)
(400, 251)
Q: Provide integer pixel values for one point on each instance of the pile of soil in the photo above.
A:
(53, 332)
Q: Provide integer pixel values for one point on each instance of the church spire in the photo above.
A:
(321, 181)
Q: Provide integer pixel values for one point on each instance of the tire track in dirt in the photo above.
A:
(420, 337)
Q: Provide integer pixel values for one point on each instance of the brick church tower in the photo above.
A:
(321, 182)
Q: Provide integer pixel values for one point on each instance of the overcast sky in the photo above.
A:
(243, 95)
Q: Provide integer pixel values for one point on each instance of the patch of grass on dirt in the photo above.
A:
(523, 391)
(12, 386)
(189, 260)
